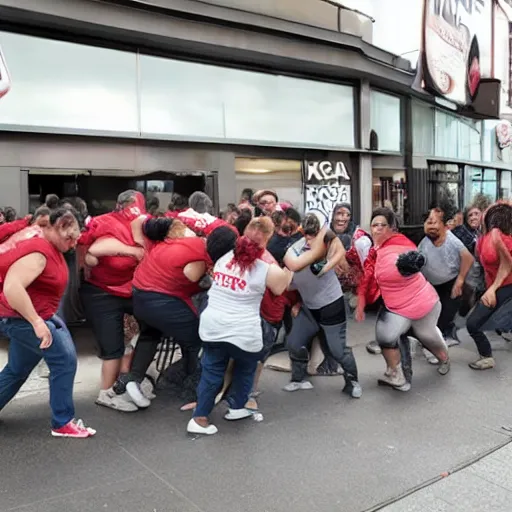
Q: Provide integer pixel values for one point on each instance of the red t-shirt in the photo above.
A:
(161, 270)
(489, 257)
(47, 290)
(9, 228)
(113, 274)
(273, 306)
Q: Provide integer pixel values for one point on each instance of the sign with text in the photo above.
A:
(326, 184)
(457, 47)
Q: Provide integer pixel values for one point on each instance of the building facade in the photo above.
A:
(222, 95)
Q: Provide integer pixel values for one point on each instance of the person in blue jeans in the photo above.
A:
(33, 277)
(230, 326)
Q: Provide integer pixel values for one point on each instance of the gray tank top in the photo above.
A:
(316, 292)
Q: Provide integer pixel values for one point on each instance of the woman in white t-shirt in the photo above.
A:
(230, 326)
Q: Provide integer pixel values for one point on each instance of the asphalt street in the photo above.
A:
(314, 451)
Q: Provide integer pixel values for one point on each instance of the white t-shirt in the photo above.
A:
(234, 300)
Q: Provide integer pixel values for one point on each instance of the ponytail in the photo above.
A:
(246, 253)
(157, 229)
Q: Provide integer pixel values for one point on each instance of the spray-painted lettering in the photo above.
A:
(325, 197)
(326, 171)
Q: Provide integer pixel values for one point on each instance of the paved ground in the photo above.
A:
(483, 486)
(315, 450)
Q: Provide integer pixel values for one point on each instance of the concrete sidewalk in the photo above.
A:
(315, 451)
(485, 485)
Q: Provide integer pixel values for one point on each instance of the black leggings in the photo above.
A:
(499, 317)
(160, 316)
(329, 323)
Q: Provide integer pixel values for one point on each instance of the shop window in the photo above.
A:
(282, 176)
(65, 86)
(389, 190)
(385, 120)
(479, 181)
(422, 128)
(186, 99)
(457, 137)
(446, 135)
(445, 182)
(506, 185)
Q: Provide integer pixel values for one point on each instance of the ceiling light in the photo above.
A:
(255, 171)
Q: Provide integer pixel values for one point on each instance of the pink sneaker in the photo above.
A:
(75, 429)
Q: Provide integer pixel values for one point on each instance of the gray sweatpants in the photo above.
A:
(390, 327)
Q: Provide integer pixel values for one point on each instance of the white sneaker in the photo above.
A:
(451, 341)
(296, 386)
(195, 428)
(431, 358)
(108, 398)
(237, 414)
(134, 391)
(146, 386)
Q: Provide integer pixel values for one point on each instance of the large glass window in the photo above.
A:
(61, 85)
(385, 120)
(506, 185)
(457, 138)
(479, 181)
(422, 128)
(187, 99)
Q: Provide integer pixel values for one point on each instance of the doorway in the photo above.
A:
(99, 189)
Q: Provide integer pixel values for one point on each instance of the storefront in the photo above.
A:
(452, 158)
(161, 125)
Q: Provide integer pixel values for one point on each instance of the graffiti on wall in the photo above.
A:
(326, 197)
(326, 184)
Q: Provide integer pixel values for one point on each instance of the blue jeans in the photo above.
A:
(214, 362)
(25, 354)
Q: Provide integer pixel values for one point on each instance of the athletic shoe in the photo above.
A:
(373, 347)
(484, 363)
(431, 358)
(297, 386)
(444, 367)
(237, 414)
(146, 386)
(74, 429)
(353, 389)
(134, 391)
(122, 403)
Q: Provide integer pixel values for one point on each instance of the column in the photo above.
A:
(14, 189)
(365, 159)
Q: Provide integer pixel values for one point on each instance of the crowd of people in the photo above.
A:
(224, 289)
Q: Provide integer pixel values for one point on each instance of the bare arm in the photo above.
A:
(335, 256)
(317, 251)
(278, 279)
(466, 262)
(505, 260)
(195, 271)
(137, 233)
(113, 247)
(19, 277)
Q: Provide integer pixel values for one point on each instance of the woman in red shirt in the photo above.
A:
(163, 286)
(494, 250)
(33, 278)
(113, 254)
(392, 270)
